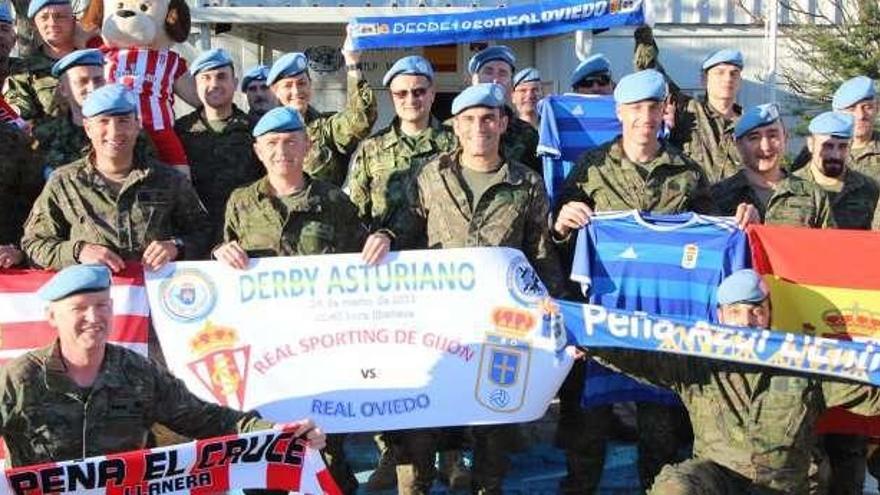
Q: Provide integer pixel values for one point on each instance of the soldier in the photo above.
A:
(857, 97)
(703, 128)
(110, 206)
(636, 171)
(519, 143)
(288, 213)
(334, 136)
(755, 424)
(31, 88)
(381, 174)
(49, 395)
(527, 92)
(259, 97)
(476, 196)
(20, 184)
(852, 195)
(780, 198)
(217, 137)
(593, 76)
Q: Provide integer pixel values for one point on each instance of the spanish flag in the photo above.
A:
(824, 283)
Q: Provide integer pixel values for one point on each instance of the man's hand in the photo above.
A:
(572, 216)
(306, 428)
(233, 255)
(10, 256)
(95, 254)
(375, 248)
(158, 253)
(351, 56)
(746, 214)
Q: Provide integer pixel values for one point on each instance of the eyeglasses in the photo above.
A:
(595, 81)
(415, 92)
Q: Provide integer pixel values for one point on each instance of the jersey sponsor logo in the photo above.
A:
(220, 365)
(188, 296)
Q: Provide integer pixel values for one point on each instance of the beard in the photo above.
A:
(832, 168)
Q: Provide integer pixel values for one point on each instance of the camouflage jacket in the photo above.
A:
(512, 212)
(701, 132)
(607, 181)
(755, 421)
(794, 202)
(21, 180)
(220, 160)
(31, 89)
(865, 160)
(156, 203)
(46, 417)
(335, 136)
(383, 166)
(855, 204)
(323, 221)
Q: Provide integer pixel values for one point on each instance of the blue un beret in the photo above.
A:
(725, 56)
(837, 124)
(595, 64)
(754, 117)
(498, 52)
(529, 74)
(413, 65)
(214, 58)
(113, 99)
(742, 286)
(75, 280)
(646, 84)
(257, 73)
(279, 119)
(289, 65)
(853, 91)
(37, 5)
(91, 56)
(5, 12)
(479, 95)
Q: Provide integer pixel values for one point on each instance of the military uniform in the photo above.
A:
(854, 204)
(320, 219)
(335, 136)
(46, 417)
(701, 132)
(31, 89)
(20, 181)
(865, 160)
(221, 159)
(753, 426)
(606, 180)
(794, 201)
(383, 167)
(155, 203)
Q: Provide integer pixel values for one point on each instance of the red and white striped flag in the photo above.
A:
(23, 325)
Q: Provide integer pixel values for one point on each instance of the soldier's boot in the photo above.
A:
(384, 477)
(453, 472)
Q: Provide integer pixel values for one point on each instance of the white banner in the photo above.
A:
(429, 338)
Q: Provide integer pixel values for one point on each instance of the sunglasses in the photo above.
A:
(595, 81)
(415, 92)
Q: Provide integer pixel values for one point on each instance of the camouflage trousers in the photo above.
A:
(700, 477)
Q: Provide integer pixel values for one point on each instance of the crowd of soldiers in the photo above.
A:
(81, 187)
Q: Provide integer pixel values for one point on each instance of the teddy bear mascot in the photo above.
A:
(137, 38)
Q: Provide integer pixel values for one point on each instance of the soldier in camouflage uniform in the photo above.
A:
(31, 87)
(334, 136)
(857, 97)
(703, 129)
(779, 197)
(475, 196)
(636, 171)
(259, 97)
(288, 213)
(20, 184)
(754, 426)
(110, 207)
(52, 411)
(381, 174)
(519, 142)
(217, 137)
(526, 93)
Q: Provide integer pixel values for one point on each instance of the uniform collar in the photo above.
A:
(450, 162)
(238, 117)
(666, 155)
(55, 369)
(312, 202)
(394, 135)
(140, 170)
(714, 114)
(871, 149)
